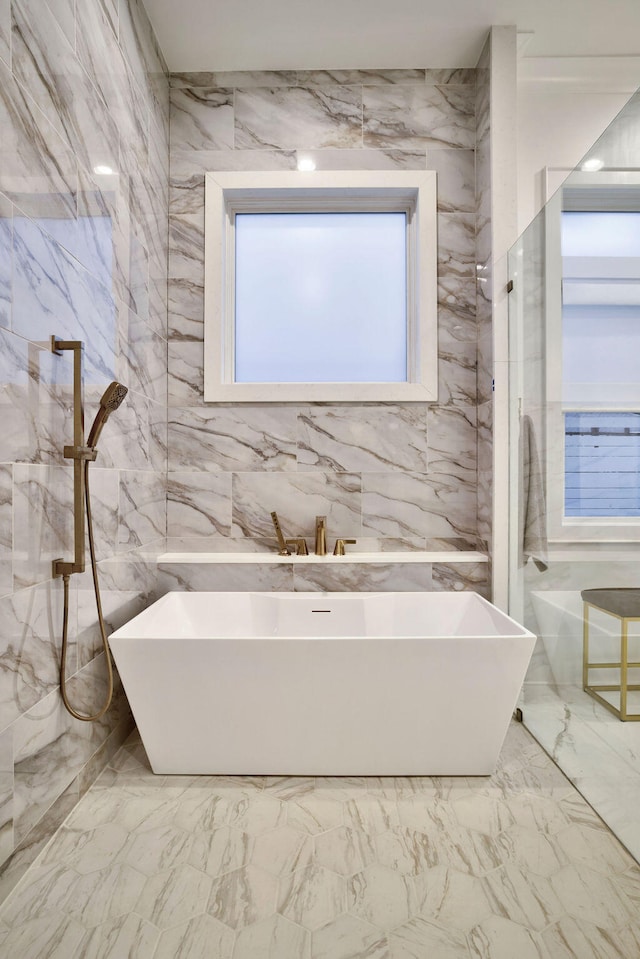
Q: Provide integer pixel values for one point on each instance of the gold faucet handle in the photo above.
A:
(340, 545)
(300, 544)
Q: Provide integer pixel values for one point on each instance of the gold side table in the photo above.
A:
(624, 605)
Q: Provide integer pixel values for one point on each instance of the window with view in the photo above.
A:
(601, 363)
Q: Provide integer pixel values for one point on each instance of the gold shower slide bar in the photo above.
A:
(78, 453)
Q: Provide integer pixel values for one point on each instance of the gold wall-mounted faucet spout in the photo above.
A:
(321, 535)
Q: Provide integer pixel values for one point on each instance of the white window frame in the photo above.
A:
(229, 193)
(561, 528)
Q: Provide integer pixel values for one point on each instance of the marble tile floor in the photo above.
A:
(513, 866)
(599, 753)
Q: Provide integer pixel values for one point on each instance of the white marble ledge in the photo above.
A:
(587, 555)
(386, 558)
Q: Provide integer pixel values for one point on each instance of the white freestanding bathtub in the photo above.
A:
(322, 683)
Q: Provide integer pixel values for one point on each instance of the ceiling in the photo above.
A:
(217, 35)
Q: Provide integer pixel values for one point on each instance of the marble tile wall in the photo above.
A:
(82, 256)
(379, 472)
(484, 295)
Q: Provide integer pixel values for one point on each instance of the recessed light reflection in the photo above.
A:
(306, 165)
(592, 165)
(103, 170)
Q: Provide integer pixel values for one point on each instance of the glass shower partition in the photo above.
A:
(574, 332)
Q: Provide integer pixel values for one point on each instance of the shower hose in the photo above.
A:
(65, 620)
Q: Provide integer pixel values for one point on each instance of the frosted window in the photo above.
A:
(601, 307)
(320, 297)
(321, 286)
(601, 355)
(600, 234)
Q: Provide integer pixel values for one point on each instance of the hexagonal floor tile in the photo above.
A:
(50, 889)
(371, 814)
(158, 849)
(380, 896)
(256, 815)
(133, 781)
(591, 897)
(45, 936)
(537, 812)
(483, 814)
(311, 897)
(330, 869)
(629, 882)
(406, 851)
(466, 850)
(87, 850)
(107, 894)
(426, 815)
(449, 898)
(541, 776)
(127, 936)
(97, 808)
(502, 939)
(282, 850)
(530, 851)
(273, 938)
(140, 813)
(630, 939)
(526, 899)
(576, 809)
(288, 787)
(419, 939)
(344, 850)
(315, 814)
(221, 851)
(243, 896)
(568, 939)
(208, 811)
(132, 756)
(200, 938)
(425, 788)
(347, 938)
(594, 848)
(169, 898)
(341, 788)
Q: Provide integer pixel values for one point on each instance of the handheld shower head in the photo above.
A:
(110, 401)
(113, 396)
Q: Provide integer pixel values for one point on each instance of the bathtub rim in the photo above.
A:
(516, 631)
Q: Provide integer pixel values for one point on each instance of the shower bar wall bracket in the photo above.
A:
(79, 453)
